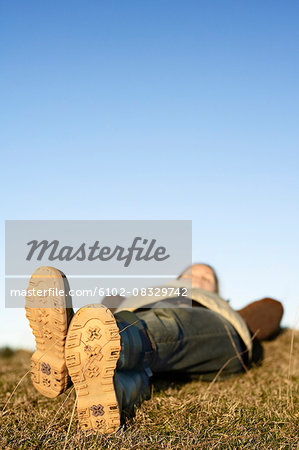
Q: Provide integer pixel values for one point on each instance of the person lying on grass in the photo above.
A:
(111, 357)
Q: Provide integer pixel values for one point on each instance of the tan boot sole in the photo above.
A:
(92, 352)
(49, 325)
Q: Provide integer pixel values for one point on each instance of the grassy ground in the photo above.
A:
(255, 410)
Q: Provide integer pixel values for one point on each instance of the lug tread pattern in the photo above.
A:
(49, 326)
(92, 351)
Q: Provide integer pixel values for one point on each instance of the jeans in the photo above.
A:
(193, 341)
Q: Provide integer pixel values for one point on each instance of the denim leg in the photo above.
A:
(192, 340)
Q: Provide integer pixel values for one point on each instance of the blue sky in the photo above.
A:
(158, 110)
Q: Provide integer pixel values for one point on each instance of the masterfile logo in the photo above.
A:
(143, 251)
(98, 256)
(99, 247)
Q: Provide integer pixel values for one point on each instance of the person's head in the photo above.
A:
(202, 276)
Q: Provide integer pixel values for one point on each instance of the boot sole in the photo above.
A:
(92, 351)
(49, 326)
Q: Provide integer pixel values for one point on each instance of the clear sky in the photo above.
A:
(158, 110)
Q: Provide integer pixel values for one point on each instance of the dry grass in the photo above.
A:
(255, 412)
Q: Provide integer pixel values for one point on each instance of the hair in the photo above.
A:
(206, 265)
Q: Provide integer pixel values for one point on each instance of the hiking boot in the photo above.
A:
(132, 387)
(93, 347)
(263, 317)
(137, 347)
(49, 315)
